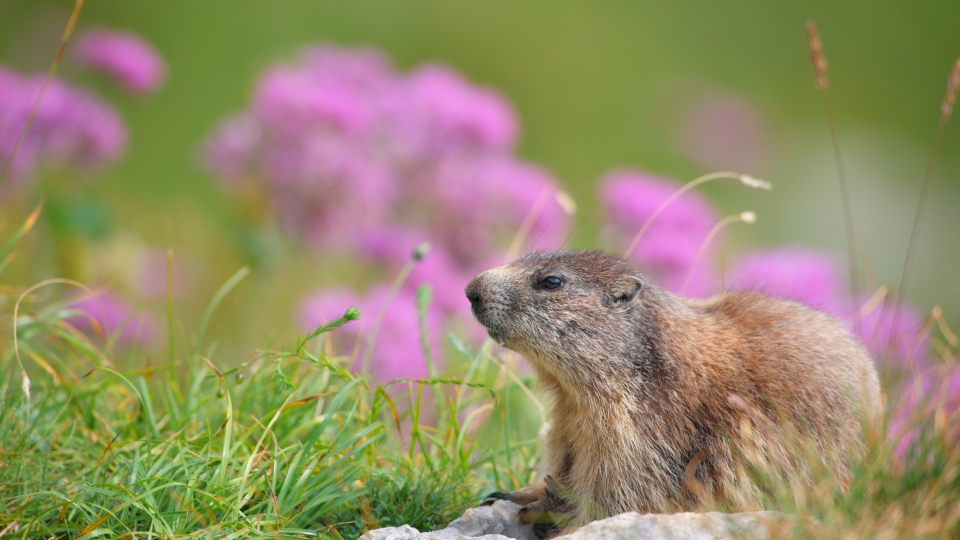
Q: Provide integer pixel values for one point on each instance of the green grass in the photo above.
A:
(286, 444)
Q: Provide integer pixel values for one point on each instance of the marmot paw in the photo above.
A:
(494, 497)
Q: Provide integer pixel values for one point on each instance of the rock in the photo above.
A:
(686, 526)
(497, 522)
(403, 532)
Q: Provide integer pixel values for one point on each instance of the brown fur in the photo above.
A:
(658, 402)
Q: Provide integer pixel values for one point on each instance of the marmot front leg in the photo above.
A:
(523, 497)
(543, 506)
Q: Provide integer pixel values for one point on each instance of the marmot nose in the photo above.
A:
(473, 294)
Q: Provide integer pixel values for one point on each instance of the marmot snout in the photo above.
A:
(649, 391)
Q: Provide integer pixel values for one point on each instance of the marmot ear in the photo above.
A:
(622, 290)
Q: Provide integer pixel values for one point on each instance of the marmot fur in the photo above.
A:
(658, 401)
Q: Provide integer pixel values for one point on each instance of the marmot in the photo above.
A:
(657, 400)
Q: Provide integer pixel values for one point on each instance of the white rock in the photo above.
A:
(403, 532)
(497, 522)
(686, 526)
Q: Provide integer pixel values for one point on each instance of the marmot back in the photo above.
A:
(658, 401)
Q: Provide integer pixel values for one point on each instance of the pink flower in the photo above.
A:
(325, 306)
(795, 273)
(442, 112)
(397, 352)
(670, 245)
(70, 128)
(233, 148)
(345, 147)
(481, 207)
(894, 342)
(329, 89)
(930, 402)
(132, 62)
(437, 269)
(105, 314)
(327, 189)
(393, 323)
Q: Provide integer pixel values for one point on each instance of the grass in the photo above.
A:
(288, 444)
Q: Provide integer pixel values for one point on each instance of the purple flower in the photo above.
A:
(894, 342)
(396, 350)
(725, 132)
(105, 314)
(232, 149)
(437, 269)
(329, 89)
(796, 273)
(325, 306)
(344, 147)
(133, 63)
(71, 127)
(670, 245)
(481, 206)
(438, 111)
(395, 327)
(327, 190)
(312, 137)
(929, 402)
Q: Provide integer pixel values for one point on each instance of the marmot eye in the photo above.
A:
(551, 282)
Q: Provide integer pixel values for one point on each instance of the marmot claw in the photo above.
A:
(491, 498)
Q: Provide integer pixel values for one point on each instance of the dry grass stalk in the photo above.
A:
(820, 70)
(953, 85)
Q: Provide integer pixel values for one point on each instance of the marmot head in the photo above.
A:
(564, 311)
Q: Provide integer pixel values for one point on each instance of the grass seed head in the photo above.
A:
(816, 55)
(750, 181)
(953, 85)
(25, 384)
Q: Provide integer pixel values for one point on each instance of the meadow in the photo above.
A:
(126, 411)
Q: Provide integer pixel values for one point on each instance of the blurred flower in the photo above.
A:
(133, 63)
(899, 342)
(796, 273)
(105, 314)
(328, 89)
(325, 306)
(395, 246)
(346, 147)
(71, 127)
(397, 351)
(327, 189)
(669, 247)
(438, 111)
(232, 148)
(725, 132)
(482, 205)
(929, 402)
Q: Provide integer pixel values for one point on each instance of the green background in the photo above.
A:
(596, 85)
